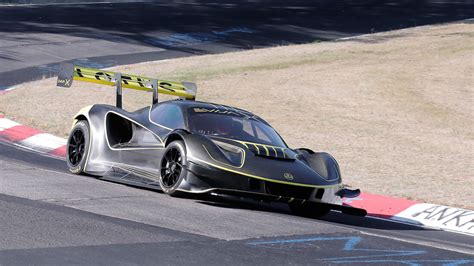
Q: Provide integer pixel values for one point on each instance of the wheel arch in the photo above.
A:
(322, 163)
(83, 114)
(80, 117)
(179, 134)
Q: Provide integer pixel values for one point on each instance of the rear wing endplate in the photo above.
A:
(69, 72)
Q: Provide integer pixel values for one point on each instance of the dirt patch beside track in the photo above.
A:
(396, 109)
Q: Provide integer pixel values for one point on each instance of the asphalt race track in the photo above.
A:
(50, 217)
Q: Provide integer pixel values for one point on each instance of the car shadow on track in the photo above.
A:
(370, 222)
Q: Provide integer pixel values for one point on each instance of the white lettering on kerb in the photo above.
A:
(447, 216)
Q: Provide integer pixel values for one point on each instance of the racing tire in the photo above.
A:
(172, 168)
(77, 147)
(308, 210)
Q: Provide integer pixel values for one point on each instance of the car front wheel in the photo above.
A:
(172, 170)
(78, 147)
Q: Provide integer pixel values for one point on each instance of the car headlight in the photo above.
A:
(234, 155)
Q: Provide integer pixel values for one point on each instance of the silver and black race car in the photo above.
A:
(186, 146)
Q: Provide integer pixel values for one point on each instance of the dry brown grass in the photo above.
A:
(395, 109)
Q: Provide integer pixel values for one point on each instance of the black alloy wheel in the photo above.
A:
(172, 168)
(77, 147)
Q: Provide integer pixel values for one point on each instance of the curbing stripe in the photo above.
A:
(395, 209)
(11, 131)
(6, 123)
(43, 142)
(18, 133)
(59, 152)
(380, 206)
(438, 216)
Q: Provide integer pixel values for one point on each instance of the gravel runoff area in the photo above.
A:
(394, 108)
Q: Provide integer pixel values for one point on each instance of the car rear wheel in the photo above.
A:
(78, 147)
(172, 170)
(309, 210)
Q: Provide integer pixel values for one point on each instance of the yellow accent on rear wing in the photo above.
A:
(69, 72)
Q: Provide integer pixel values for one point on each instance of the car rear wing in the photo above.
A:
(69, 72)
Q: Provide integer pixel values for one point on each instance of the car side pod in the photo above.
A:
(348, 193)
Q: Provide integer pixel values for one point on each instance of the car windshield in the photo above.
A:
(228, 124)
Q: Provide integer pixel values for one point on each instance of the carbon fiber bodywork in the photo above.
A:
(132, 142)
